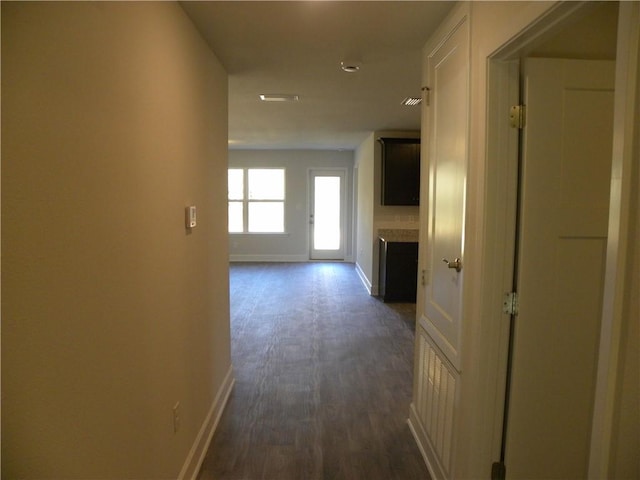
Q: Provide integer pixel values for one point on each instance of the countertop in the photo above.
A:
(398, 235)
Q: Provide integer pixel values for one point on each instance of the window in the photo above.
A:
(256, 200)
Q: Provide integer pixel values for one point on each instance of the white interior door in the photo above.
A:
(326, 217)
(566, 171)
(448, 139)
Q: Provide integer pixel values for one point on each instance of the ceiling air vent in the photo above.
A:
(411, 101)
(278, 97)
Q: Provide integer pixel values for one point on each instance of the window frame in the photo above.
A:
(246, 201)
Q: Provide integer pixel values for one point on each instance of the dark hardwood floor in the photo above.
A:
(323, 379)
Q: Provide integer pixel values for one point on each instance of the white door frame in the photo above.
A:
(498, 253)
(621, 211)
(501, 205)
(329, 171)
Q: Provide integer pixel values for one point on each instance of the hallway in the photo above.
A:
(323, 379)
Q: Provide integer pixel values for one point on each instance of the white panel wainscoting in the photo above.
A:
(433, 409)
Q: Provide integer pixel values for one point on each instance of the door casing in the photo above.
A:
(338, 172)
(562, 234)
(498, 254)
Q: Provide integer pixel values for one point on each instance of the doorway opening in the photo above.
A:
(520, 419)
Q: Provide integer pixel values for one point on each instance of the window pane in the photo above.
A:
(236, 184)
(235, 217)
(266, 184)
(266, 217)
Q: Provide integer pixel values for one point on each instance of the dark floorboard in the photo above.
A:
(323, 379)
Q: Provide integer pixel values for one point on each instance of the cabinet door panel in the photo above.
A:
(398, 271)
(400, 171)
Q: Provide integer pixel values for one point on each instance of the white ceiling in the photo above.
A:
(295, 47)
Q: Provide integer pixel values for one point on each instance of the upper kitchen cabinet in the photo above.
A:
(400, 171)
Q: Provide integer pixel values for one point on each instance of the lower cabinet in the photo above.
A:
(398, 271)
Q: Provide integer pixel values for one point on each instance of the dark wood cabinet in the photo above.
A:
(400, 171)
(398, 271)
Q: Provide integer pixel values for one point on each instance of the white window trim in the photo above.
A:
(246, 201)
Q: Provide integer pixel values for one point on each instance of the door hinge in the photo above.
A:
(498, 471)
(510, 303)
(517, 116)
(427, 96)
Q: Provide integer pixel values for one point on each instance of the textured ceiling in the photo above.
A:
(294, 47)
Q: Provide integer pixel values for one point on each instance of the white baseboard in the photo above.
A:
(372, 289)
(277, 258)
(428, 453)
(192, 464)
(268, 258)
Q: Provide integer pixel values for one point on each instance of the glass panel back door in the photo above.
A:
(326, 218)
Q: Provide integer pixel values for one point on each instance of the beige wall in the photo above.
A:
(589, 35)
(114, 118)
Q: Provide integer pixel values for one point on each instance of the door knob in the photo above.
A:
(457, 264)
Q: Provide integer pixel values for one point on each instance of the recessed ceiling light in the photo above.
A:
(412, 101)
(273, 97)
(350, 67)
